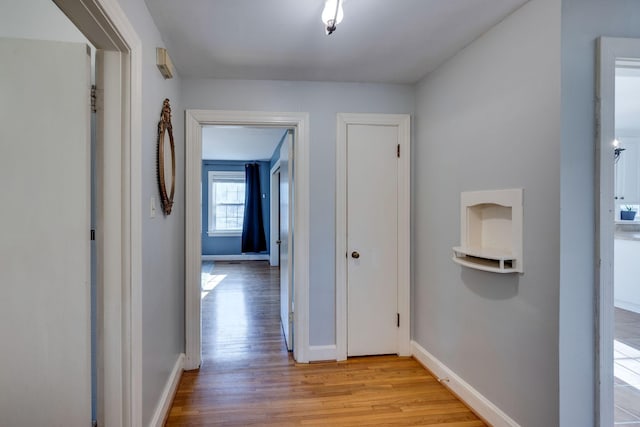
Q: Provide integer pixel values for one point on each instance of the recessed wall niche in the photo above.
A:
(491, 231)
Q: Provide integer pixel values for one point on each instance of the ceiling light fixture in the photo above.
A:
(332, 15)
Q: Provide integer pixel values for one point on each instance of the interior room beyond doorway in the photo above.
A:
(245, 211)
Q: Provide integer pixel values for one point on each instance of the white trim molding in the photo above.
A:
(319, 353)
(194, 120)
(403, 122)
(626, 305)
(105, 25)
(168, 392)
(469, 395)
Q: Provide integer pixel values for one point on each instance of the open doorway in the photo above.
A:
(626, 345)
(242, 224)
(618, 162)
(196, 120)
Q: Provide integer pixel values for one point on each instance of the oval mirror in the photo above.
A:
(166, 158)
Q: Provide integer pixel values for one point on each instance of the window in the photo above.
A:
(226, 202)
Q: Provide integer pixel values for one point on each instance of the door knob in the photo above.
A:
(355, 255)
(278, 242)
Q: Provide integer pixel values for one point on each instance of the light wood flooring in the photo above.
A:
(248, 378)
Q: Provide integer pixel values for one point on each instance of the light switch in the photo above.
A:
(152, 213)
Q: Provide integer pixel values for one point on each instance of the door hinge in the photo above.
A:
(398, 320)
(398, 150)
(93, 234)
(93, 99)
(290, 317)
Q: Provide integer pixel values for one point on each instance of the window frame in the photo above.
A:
(217, 176)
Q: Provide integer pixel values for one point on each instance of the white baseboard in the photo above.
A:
(480, 404)
(626, 305)
(319, 353)
(166, 398)
(241, 257)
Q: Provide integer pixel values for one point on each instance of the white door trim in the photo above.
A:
(609, 49)
(106, 26)
(194, 120)
(274, 215)
(403, 122)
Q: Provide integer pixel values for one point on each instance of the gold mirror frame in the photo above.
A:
(164, 126)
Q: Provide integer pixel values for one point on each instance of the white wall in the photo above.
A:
(583, 21)
(162, 237)
(322, 101)
(489, 118)
(37, 19)
(627, 171)
(626, 273)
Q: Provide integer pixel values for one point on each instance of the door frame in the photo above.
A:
(608, 50)
(119, 209)
(299, 122)
(403, 122)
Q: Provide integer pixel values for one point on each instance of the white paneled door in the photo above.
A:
(44, 243)
(286, 241)
(372, 239)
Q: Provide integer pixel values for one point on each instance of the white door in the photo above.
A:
(274, 220)
(44, 248)
(286, 235)
(372, 239)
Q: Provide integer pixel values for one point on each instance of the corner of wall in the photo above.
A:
(482, 406)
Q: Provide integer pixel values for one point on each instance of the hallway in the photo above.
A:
(248, 378)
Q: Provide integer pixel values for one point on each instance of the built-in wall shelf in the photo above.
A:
(491, 231)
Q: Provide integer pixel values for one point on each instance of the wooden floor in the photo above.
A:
(248, 378)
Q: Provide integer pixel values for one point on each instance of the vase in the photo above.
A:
(627, 215)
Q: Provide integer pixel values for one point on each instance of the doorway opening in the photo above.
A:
(626, 344)
(245, 225)
(618, 233)
(297, 123)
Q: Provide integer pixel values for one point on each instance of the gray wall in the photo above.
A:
(489, 118)
(322, 101)
(162, 237)
(583, 21)
(232, 245)
(276, 153)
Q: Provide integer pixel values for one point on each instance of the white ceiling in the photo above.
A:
(239, 143)
(394, 41)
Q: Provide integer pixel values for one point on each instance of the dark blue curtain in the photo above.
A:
(253, 239)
